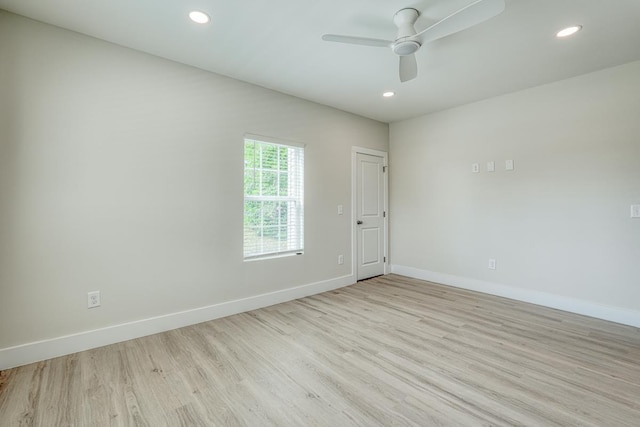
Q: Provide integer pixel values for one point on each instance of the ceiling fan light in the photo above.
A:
(406, 47)
(199, 17)
(389, 94)
(568, 31)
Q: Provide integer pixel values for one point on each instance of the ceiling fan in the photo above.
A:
(408, 41)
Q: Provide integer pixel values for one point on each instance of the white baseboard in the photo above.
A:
(587, 308)
(41, 350)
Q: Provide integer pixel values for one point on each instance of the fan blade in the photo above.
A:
(363, 41)
(408, 68)
(473, 14)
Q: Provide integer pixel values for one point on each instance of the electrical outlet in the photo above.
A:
(492, 264)
(475, 167)
(340, 259)
(635, 211)
(491, 166)
(340, 209)
(93, 299)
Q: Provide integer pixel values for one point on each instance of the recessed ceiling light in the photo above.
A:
(388, 94)
(199, 17)
(569, 31)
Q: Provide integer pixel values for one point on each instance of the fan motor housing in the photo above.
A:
(405, 47)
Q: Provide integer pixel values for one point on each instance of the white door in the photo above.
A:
(370, 215)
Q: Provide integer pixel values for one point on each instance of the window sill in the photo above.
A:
(273, 256)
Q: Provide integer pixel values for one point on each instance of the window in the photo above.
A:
(273, 198)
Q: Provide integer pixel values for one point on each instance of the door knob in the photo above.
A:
(359, 222)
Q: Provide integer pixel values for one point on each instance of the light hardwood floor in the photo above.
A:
(387, 351)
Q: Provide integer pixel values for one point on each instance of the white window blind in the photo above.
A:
(273, 198)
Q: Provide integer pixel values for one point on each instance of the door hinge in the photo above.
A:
(384, 258)
(384, 214)
(384, 169)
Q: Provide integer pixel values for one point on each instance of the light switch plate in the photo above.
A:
(475, 167)
(635, 211)
(491, 166)
(340, 210)
(508, 165)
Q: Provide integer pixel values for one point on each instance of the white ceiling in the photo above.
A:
(277, 44)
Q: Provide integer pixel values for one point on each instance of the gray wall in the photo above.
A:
(559, 223)
(123, 172)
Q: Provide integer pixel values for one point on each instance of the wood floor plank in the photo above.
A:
(386, 351)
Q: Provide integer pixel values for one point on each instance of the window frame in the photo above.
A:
(296, 173)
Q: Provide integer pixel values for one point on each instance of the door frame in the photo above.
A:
(354, 192)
